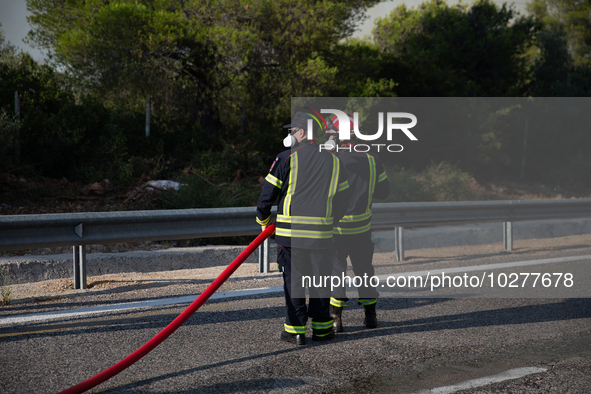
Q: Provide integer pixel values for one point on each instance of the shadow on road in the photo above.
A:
(554, 311)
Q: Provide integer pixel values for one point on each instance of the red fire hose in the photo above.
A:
(176, 323)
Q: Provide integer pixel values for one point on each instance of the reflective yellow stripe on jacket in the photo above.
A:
(372, 180)
(264, 222)
(293, 165)
(274, 181)
(360, 223)
(310, 227)
(334, 180)
(306, 227)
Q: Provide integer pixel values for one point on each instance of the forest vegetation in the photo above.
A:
(220, 76)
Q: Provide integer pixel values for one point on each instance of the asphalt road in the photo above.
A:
(231, 345)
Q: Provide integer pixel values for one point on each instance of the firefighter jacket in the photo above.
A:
(313, 193)
(367, 180)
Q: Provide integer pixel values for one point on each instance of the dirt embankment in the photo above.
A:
(21, 195)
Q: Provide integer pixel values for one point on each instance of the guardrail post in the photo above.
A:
(398, 243)
(508, 235)
(79, 267)
(264, 257)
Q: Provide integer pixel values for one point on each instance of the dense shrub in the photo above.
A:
(438, 182)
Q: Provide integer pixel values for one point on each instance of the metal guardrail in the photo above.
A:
(400, 215)
(63, 229)
(460, 212)
(79, 229)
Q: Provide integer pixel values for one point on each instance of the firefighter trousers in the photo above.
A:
(296, 263)
(359, 248)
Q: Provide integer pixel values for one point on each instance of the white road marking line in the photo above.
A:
(487, 267)
(66, 314)
(480, 382)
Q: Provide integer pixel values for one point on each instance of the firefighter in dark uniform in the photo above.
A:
(352, 235)
(313, 193)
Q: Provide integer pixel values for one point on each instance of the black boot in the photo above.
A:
(296, 339)
(371, 320)
(336, 313)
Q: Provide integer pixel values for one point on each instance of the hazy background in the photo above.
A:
(13, 15)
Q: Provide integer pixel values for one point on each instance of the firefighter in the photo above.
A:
(313, 194)
(352, 235)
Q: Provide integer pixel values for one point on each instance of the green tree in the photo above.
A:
(361, 70)
(555, 73)
(59, 133)
(201, 61)
(571, 16)
(8, 122)
(441, 50)
(46, 136)
(6, 48)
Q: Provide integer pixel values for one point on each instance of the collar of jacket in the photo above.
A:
(304, 143)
